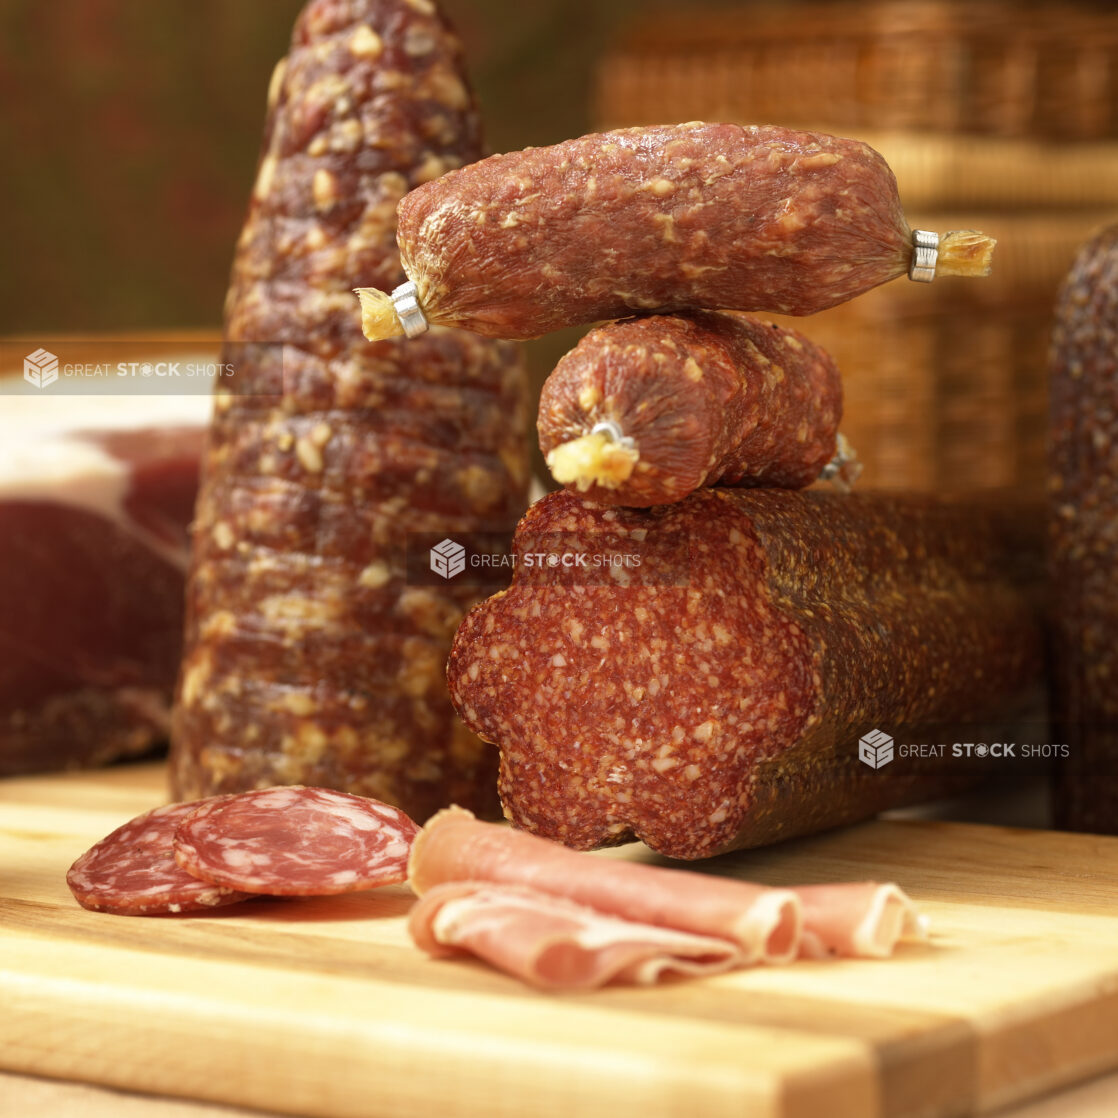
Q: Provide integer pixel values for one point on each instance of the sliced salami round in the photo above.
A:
(296, 841)
(133, 872)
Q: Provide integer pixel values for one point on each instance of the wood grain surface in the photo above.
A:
(323, 1007)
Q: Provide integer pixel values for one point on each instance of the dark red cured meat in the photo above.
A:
(296, 842)
(310, 657)
(661, 218)
(133, 871)
(163, 467)
(92, 560)
(715, 698)
(1084, 546)
(694, 399)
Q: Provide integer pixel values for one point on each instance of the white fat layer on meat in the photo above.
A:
(358, 818)
(648, 973)
(755, 928)
(277, 799)
(31, 418)
(599, 931)
(41, 459)
(890, 918)
(239, 858)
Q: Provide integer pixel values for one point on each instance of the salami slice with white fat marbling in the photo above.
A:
(133, 872)
(553, 943)
(296, 841)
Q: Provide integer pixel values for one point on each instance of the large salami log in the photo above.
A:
(701, 680)
(1084, 535)
(664, 218)
(310, 659)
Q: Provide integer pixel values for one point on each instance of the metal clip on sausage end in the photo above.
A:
(844, 469)
(405, 302)
(925, 255)
(613, 433)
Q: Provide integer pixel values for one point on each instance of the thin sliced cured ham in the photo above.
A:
(553, 943)
(863, 920)
(764, 923)
(561, 919)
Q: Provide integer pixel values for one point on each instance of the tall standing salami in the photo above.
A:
(309, 656)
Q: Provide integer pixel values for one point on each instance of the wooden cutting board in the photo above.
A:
(322, 1007)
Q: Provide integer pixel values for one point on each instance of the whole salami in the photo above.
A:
(643, 411)
(663, 218)
(1084, 535)
(712, 692)
(310, 658)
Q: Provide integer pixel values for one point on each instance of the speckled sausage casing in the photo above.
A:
(1084, 534)
(724, 709)
(706, 397)
(752, 218)
(309, 659)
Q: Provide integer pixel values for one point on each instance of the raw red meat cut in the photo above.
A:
(96, 495)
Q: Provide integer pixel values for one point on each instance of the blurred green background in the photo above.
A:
(130, 131)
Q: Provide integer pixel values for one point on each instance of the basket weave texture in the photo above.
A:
(996, 117)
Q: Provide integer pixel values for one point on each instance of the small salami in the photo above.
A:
(662, 218)
(133, 871)
(644, 411)
(297, 842)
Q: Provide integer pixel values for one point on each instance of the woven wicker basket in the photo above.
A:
(1005, 69)
(945, 383)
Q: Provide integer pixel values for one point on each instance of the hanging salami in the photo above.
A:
(661, 218)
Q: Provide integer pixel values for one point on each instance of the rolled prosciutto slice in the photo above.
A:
(763, 923)
(558, 918)
(863, 920)
(556, 944)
